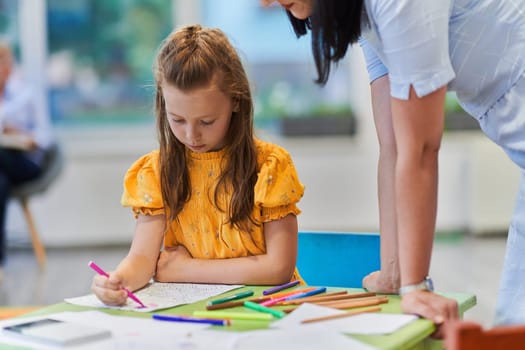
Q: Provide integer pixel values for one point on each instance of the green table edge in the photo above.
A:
(408, 337)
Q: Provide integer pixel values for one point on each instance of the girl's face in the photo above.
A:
(300, 9)
(199, 118)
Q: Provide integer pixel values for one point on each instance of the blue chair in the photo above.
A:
(337, 259)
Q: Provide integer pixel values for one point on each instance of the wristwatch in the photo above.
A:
(426, 284)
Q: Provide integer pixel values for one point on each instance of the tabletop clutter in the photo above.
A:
(341, 300)
(222, 315)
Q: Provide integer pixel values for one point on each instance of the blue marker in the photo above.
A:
(306, 294)
(190, 319)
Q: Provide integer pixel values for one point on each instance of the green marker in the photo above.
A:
(257, 307)
(229, 315)
(248, 293)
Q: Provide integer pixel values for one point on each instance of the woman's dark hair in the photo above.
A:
(335, 25)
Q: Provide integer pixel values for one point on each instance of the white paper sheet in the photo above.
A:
(158, 296)
(367, 323)
(299, 338)
(127, 332)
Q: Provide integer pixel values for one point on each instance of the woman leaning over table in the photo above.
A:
(415, 51)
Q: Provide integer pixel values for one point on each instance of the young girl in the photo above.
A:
(222, 202)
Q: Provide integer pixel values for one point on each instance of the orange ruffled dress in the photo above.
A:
(202, 228)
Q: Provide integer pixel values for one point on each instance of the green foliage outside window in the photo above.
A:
(101, 54)
(456, 119)
(9, 24)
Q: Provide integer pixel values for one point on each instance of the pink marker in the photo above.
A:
(105, 274)
(274, 301)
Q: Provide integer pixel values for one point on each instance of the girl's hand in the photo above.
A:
(109, 290)
(170, 260)
(379, 282)
(434, 307)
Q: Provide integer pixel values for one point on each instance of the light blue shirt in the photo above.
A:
(18, 111)
(476, 47)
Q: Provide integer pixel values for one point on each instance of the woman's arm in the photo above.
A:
(138, 267)
(418, 128)
(274, 267)
(386, 280)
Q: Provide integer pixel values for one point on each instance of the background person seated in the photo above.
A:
(25, 135)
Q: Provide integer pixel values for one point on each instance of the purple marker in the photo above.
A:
(105, 274)
(281, 287)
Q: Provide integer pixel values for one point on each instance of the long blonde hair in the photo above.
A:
(194, 57)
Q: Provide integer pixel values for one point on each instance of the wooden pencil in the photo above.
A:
(351, 304)
(327, 297)
(314, 297)
(346, 314)
(335, 302)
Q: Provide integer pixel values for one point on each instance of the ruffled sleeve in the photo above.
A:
(142, 186)
(278, 188)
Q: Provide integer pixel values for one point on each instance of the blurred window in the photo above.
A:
(280, 67)
(9, 23)
(100, 58)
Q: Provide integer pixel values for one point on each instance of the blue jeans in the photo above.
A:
(504, 123)
(16, 167)
(511, 299)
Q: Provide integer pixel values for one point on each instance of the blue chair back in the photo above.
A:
(337, 259)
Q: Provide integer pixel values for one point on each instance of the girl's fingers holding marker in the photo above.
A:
(110, 296)
(108, 291)
(105, 282)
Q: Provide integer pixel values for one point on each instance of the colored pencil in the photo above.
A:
(351, 304)
(330, 297)
(346, 314)
(334, 302)
(326, 296)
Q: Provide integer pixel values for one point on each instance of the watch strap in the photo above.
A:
(426, 284)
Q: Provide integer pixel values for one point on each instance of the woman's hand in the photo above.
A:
(432, 306)
(109, 290)
(169, 261)
(380, 282)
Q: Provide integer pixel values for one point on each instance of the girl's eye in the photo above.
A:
(207, 122)
(178, 121)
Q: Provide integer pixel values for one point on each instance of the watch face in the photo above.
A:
(430, 284)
